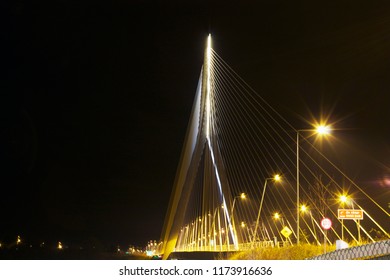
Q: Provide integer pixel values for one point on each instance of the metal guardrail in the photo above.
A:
(231, 247)
(376, 250)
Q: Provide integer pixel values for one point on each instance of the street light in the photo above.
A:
(278, 217)
(276, 178)
(343, 199)
(242, 196)
(320, 130)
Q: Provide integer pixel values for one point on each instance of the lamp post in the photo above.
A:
(242, 196)
(276, 217)
(343, 199)
(321, 130)
(276, 178)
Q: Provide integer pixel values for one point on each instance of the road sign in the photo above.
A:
(350, 214)
(326, 223)
(286, 232)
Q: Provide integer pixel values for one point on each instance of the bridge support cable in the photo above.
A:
(308, 168)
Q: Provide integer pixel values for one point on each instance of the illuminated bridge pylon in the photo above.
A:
(235, 143)
(198, 216)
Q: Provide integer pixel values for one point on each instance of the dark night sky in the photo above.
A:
(96, 95)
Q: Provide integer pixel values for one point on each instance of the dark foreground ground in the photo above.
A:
(65, 254)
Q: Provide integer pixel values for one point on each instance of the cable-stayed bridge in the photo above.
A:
(248, 178)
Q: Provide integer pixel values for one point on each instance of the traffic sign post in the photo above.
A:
(326, 224)
(286, 232)
(350, 214)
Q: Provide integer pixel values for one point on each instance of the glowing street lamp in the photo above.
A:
(323, 129)
(276, 178)
(242, 196)
(320, 130)
(343, 198)
(278, 217)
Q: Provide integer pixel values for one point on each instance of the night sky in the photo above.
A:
(96, 95)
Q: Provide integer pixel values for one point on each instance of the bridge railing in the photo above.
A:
(231, 247)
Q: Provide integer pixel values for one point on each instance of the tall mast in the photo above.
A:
(208, 87)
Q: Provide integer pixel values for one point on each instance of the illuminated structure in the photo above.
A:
(234, 140)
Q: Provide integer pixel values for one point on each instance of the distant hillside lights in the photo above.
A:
(133, 250)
